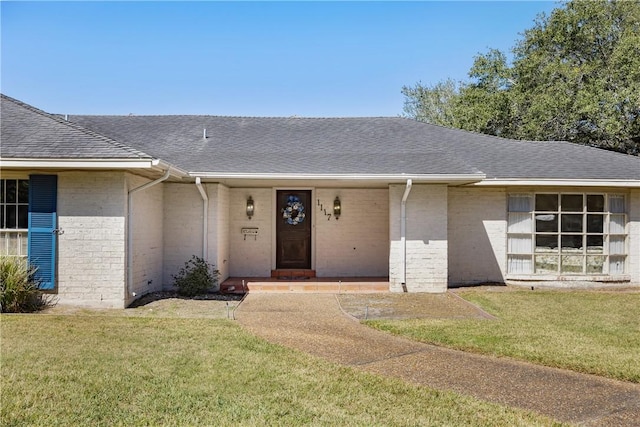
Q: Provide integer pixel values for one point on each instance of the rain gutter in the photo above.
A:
(205, 218)
(403, 232)
(131, 192)
(426, 178)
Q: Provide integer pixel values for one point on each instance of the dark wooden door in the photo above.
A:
(293, 229)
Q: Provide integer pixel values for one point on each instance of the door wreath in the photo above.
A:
(293, 213)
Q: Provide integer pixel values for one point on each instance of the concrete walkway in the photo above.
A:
(315, 323)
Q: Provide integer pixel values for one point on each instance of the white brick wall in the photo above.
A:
(426, 238)
(250, 257)
(218, 228)
(147, 226)
(333, 241)
(477, 235)
(182, 225)
(358, 243)
(91, 252)
(455, 235)
(221, 242)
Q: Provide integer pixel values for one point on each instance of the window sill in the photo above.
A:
(569, 278)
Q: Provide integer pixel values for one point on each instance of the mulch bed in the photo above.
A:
(161, 295)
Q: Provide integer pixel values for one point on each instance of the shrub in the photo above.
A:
(196, 277)
(19, 291)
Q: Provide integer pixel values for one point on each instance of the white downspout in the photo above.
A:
(205, 219)
(130, 227)
(403, 233)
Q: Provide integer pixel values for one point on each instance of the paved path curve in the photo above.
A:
(315, 323)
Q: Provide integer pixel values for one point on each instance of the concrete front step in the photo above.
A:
(293, 274)
(311, 285)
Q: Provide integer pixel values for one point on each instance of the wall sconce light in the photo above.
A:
(250, 207)
(337, 208)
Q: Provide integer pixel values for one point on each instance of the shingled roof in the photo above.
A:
(302, 146)
(283, 145)
(377, 145)
(30, 133)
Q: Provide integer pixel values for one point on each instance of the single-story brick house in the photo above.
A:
(110, 207)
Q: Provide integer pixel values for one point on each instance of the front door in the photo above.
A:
(293, 229)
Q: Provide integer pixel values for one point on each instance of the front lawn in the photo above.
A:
(596, 332)
(111, 370)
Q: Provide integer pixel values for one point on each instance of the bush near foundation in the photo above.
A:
(19, 291)
(196, 277)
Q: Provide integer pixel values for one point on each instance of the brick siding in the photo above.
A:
(426, 239)
(477, 231)
(91, 252)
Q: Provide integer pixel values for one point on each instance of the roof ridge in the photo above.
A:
(238, 117)
(76, 126)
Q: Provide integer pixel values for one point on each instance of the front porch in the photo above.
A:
(300, 283)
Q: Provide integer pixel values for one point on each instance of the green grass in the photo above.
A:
(592, 332)
(108, 370)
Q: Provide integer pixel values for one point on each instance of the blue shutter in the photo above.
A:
(43, 197)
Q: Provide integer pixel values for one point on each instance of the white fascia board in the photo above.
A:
(631, 183)
(457, 178)
(155, 164)
(78, 163)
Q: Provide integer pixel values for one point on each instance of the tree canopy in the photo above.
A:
(575, 76)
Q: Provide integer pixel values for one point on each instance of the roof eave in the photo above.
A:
(553, 182)
(389, 178)
(88, 163)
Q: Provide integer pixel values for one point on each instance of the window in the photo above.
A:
(14, 216)
(566, 233)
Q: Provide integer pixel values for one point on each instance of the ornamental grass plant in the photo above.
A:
(19, 292)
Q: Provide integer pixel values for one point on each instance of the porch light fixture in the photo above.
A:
(337, 208)
(250, 207)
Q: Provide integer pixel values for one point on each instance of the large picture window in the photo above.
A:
(14, 216)
(566, 233)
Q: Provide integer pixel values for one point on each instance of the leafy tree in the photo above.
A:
(577, 74)
(575, 77)
(433, 104)
(488, 95)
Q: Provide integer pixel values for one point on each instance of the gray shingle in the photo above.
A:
(353, 145)
(280, 145)
(27, 132)
(374, 145)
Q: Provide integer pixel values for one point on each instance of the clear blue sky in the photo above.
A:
(243, 58)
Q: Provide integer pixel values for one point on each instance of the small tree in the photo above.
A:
(19, 291)
(196, 277)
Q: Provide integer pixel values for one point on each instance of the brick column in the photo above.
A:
(426, 239)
